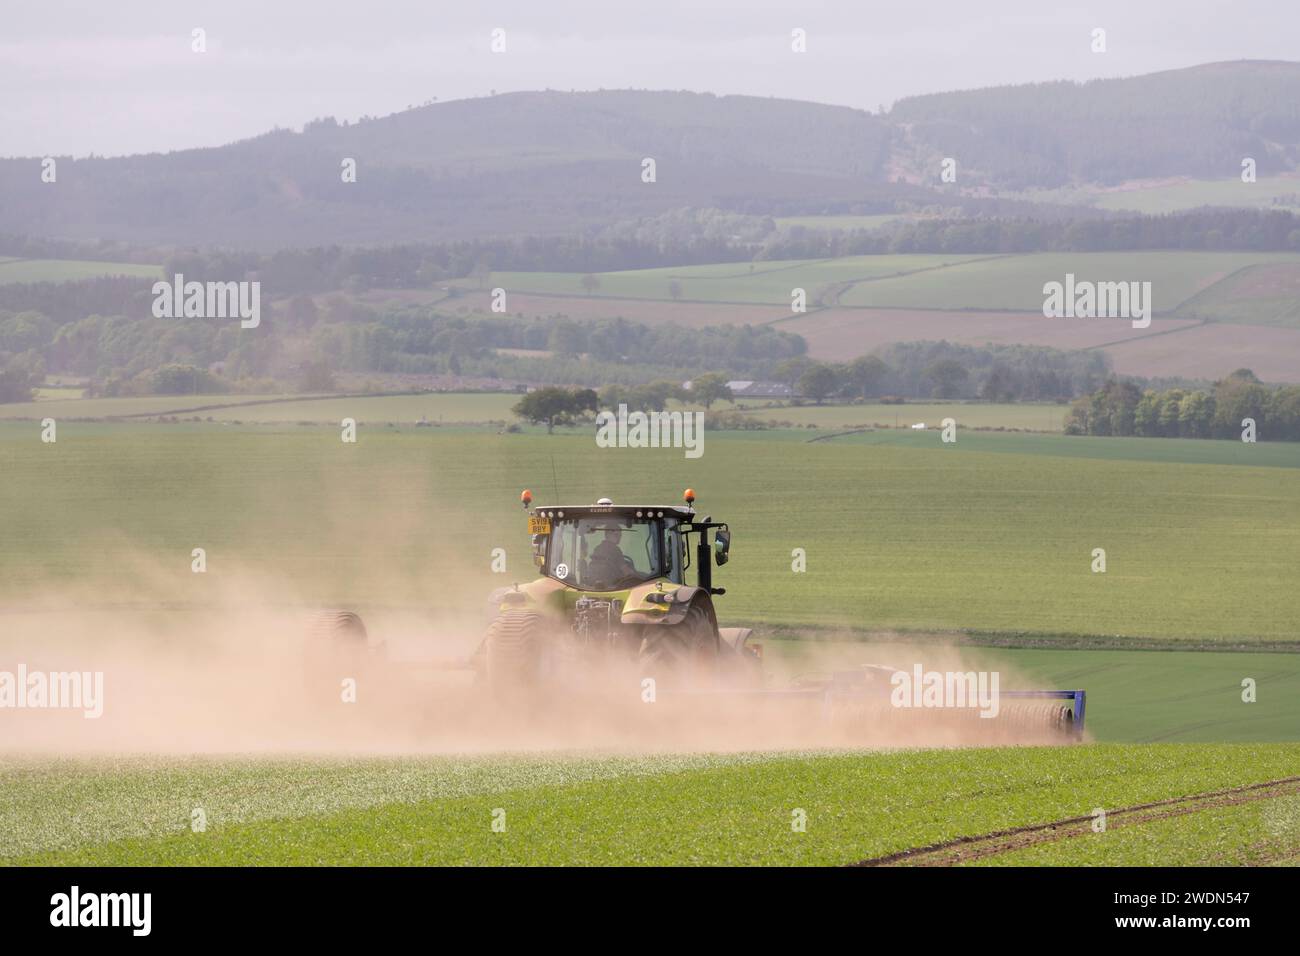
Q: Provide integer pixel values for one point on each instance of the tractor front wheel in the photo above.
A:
(684, 653)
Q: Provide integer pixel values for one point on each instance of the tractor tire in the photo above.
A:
(337, 628)
(682, 654)
(513, 651)
(337, 647)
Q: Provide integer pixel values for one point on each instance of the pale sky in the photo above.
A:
(120, 77)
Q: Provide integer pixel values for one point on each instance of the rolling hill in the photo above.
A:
(551, 162)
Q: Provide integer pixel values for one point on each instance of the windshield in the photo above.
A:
(610, 552)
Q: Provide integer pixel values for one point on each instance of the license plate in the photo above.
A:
(539, 526)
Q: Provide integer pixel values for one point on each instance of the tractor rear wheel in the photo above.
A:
(337, 647)
(513, 650)
(682, 653)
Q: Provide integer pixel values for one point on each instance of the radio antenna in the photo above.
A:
(555, 480)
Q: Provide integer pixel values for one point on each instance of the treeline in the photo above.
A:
(1123, 408)
(417, 340)
(911, 370)
(1201, 229)
(122, 354)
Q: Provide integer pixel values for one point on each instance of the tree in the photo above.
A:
(653, 397)
(553, 406)
(792, 369)
(869, 373)
(303, 313)
(818, 382)
(1195, 413)
(316, 377)
(947, 377)
(177, 379)
(711, 387)
(19, 375)
(998, 386)
(567, 338)
(1236, 397)
(1146, 417)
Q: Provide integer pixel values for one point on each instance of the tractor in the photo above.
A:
(615, 607)
(615, 595)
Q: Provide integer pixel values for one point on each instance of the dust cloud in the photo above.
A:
(243, 674)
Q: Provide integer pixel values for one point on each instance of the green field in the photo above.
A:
(1016, 282)
(1169, 197)
(1189, 451)
(566, 809)
(67, 270)
(1157, 200)
(478, 407)
(1243, 287)
(1030, 417)
(901, 531)
(440, 407)
(769, 283)
(914, 549)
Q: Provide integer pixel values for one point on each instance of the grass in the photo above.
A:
(68, 270)
(900, 531)
(1191, 451)
(1172, 696)
(1248, 834)
(566, 810)
(1133, 696)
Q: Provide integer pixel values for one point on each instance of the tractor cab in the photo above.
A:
(607, 547)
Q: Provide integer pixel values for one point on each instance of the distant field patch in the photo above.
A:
(647, 311)
(1189, 451)
(754, 282)
(67, 270)
(1267, 294)
(435, 407)
(1174, 197)
(1211, 351)
(63, 407)
(833, 334)
(973, 415)
(1016, 282)
(56, 392)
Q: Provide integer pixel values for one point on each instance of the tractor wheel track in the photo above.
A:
(967, 848)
